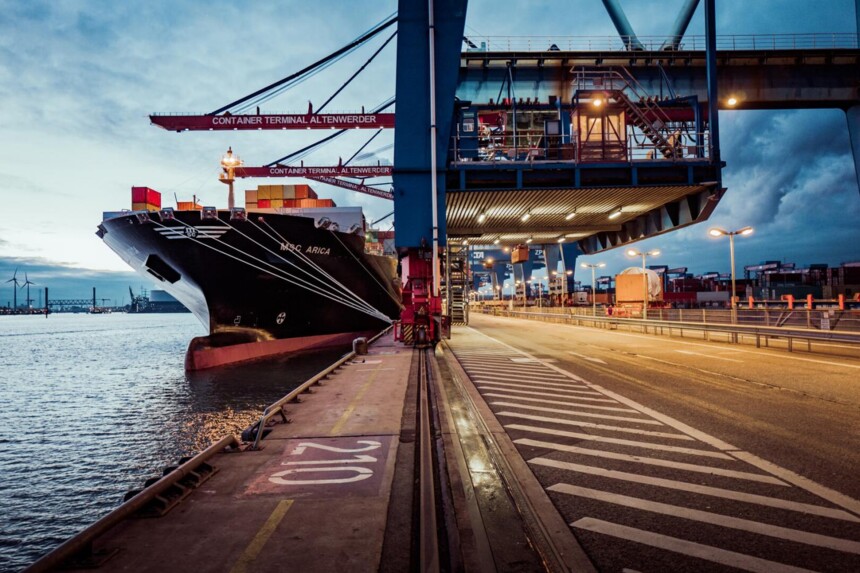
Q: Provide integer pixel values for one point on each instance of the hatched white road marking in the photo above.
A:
(559, 403)
(582, 424)
(700, 489)
(684, 547)
(708, 517)
(572, 412)
(584, 357)
(652, 461)
(557, 393)
(635, 444)
(537, 386)
(526, 379)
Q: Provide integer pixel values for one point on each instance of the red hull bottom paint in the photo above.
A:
(200, 358)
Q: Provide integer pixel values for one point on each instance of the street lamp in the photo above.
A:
(718, 232)
(593, 266)
(652, 253)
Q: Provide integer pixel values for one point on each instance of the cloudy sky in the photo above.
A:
(78, 78)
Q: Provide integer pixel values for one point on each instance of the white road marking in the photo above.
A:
(830, 495)
(652, 461)
(559, 403)
(635, 444)
(572, 412)
(537, 386)
(684, 547)
(515, 378)
(582, 424)
(708, 517)
(584, 357)
(529, 373)
(522, 360)
(556, 393)
(691, 352)
(700, 489)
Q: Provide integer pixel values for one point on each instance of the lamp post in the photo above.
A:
(718, 232)
(229, 163)
(593, 266)
(652, 253)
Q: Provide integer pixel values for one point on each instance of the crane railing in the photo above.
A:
(815, 41)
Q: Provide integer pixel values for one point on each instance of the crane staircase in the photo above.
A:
(456, 284)
(641, 110)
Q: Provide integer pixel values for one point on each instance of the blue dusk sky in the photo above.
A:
(79, 77)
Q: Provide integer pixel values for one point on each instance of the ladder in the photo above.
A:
(456, 285)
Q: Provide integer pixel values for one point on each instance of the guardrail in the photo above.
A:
(815, 319)
(258, 429)
(82, 542)
(734, 330)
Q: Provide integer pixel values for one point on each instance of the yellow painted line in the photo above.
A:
(353, 405)
(243, 565)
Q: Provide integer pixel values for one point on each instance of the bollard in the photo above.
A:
(809, 301)
(841, 302)
(359, 346)
(752, 303)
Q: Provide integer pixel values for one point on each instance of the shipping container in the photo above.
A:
(153, 197)
(520, 254)
(187, 206)
(276, 203)
(289, 192)
(264, 203)
(251, 205)
(138, 194)
(304, 192)
(145, 207)
(251, 196)
(263, 192)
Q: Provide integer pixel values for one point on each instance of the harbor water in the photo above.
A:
(93, 405)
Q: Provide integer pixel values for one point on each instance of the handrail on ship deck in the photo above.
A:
(277, 407)
(759, 332)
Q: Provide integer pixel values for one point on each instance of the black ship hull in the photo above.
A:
(263, 284)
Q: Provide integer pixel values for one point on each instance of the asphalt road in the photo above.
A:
(676, 455)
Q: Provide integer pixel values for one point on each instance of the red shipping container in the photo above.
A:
(264, 203)
(138, 194)
(153, 197)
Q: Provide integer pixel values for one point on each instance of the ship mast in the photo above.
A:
(229, 163)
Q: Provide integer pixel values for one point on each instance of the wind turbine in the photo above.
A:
(15, 287)
(27, 283)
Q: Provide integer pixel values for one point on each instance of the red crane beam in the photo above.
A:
(227, 122)
(359, 188)
(310, 172)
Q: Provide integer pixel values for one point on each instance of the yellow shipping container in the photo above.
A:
(276, 203)
(144, 207)
(263, 192)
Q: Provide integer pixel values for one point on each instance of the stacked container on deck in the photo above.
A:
(284, 196)
(145, 199)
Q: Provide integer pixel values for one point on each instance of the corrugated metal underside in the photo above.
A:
(645, 212)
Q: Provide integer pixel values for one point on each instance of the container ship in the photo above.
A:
(289, 272)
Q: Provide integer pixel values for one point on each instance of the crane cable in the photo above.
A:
(376, 29)
(307, 149)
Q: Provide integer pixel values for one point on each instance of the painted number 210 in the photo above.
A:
(348, 473)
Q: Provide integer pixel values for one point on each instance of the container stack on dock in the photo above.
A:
(145, 199)
(284, 196)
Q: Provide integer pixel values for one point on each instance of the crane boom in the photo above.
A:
(273, 121)
(353, 186)
(314, 171)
